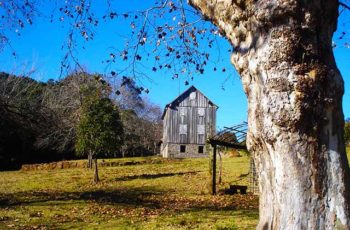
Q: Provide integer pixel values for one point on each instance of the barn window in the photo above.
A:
(200, 149)
(183, 129)
(182, 113)
(193, 98)
(200, 129)
(182, 148)
(201, 111)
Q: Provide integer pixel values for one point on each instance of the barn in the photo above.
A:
(187, 123)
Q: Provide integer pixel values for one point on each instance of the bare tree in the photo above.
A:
(142, 134)
(62, 101)
(21, 120)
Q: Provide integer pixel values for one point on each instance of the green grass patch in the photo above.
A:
(152, 194)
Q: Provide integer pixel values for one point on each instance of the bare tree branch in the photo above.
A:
(344, 5)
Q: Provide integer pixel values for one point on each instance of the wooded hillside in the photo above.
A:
(38, 120)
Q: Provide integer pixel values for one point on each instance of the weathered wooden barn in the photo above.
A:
(187, 122)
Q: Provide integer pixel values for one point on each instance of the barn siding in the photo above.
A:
(172, 123)
(172, 118)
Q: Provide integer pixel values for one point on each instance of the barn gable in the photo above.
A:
(186, 99)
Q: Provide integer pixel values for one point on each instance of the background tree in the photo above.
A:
(38, 119)
(63, 100)
(21, 120)
(141, 119)
(99, 131)
(142, 136)
(128, 95)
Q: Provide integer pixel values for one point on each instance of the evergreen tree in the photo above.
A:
(99, 131)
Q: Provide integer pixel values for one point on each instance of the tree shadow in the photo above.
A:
(136, 204)
(126, 197)
(145, 197)
(154, 176)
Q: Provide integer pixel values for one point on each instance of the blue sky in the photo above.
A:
(38, 48)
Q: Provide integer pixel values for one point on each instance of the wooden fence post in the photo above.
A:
(214, 171)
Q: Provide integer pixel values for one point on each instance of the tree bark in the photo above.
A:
(96, 178)
(283, 53)
(90, 160)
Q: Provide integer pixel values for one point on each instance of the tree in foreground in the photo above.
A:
(99, 130)
(283, 52)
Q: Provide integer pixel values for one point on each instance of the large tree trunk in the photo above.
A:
(283, 52)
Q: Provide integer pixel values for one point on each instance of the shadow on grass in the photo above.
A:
(145, 197)
(128, 197)
(154, 176)
(130, 204)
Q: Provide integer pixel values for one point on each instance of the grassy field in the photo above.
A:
(152, 193)
(157, 194)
